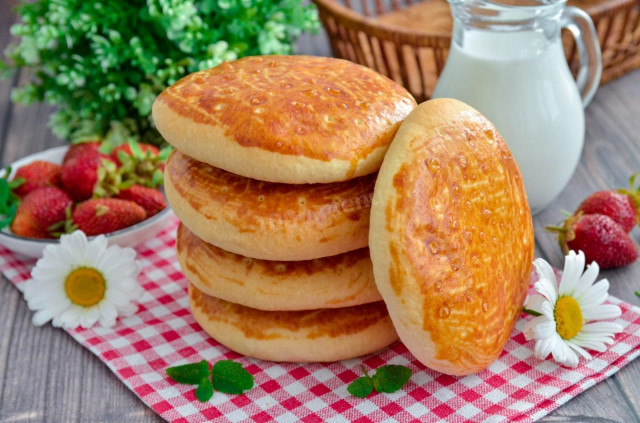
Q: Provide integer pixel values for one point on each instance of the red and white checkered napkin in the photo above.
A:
(517, 387)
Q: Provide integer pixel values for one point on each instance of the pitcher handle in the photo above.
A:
(581, 26)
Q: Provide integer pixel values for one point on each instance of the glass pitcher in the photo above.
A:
(507, 61)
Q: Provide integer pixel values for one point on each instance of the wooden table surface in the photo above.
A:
(46, 376)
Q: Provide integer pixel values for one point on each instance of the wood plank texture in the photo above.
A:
(46, 376)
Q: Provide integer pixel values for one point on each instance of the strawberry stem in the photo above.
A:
(633, 192)
(531, 312)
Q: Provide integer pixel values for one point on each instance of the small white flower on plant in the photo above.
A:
(569, 314)
(80, 282)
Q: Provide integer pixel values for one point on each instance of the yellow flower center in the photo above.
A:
(85, 286)
(568, 317)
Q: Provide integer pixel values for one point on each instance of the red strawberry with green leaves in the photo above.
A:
(616, 205)
(141, 164)
(126, 148)
(150, 199)
(600, 238)
(81, 173)
(103, 215)
(79, 149)
(37, 174)
(40, 212)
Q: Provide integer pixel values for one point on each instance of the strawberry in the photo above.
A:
(126, 149)
(600, 238)
(141, 164)
(80, 173)
(150, 199)
(79, 149)
(104, 215)
(37, 174)
(614, 204)
(39, 211)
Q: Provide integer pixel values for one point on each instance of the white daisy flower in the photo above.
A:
(80, 282)
(569, 314)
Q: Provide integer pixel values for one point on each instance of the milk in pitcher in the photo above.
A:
(507, 61)
(536, 108)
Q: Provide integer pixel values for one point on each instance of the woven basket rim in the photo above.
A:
(359, 22)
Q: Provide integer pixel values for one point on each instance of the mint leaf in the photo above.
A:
(204, 391)
(391, 378)
(8, 200)
(361, 387)
(5, 191)
(230, 377)
(190, 374)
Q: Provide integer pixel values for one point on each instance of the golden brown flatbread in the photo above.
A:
(451, 237)
(291, 119)
(330, 282)
(298, 336)
(267, 220)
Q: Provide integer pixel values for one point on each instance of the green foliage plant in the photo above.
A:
(102, 63)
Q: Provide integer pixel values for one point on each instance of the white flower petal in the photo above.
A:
(95, 249)
(586, 280)
(601, 312)
(108, 310)
(544, 329)
(573, 267)
(116, 297)
(90, 317)
(544, 347)
(565, 355)
(574, 346)
(535, 302)
(601, 328)
(544, 270)
(594, 295)
(128, 310)
(30, 288)
(593, 344)
(49, 269)
(548, 289)
(69, 319)
(547, 310)
(44, 315)
(45, 299)
(73, 247)
(529, 328)
(107, 322)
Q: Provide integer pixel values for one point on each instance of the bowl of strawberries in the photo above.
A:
(116, 192)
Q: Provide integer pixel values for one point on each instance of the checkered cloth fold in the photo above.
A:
(517, 387)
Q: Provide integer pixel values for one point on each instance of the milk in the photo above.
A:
(523, 85)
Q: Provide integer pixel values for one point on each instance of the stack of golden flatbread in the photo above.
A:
(272, 177)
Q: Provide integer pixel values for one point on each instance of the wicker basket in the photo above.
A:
(408, 40)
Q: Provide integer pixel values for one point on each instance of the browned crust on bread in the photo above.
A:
(301, 336)
(335, 116)
(453, 239)
(267, 220)
(330, 282)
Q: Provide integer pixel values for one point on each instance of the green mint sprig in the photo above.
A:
(388, 379)
(230, 377)
(189, 374)
(226, 376)
(204, 391)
